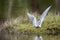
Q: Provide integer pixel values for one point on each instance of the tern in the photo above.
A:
(39, 22)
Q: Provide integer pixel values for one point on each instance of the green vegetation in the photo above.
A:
(51, 24)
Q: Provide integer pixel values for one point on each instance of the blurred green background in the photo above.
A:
(19, 7)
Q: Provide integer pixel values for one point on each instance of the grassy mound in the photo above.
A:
(51, 24)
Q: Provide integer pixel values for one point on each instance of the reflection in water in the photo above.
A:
(28, 37)
(38, 38)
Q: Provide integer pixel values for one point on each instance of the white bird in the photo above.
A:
(39, 22)
(38, 38)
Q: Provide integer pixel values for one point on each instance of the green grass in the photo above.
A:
(51, 21)
(25, 25)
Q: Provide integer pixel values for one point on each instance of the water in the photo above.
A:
(28, 37)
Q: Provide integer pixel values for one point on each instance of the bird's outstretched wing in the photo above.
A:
(43, 16)
(32, 18)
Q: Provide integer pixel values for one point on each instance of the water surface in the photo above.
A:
(28, 37)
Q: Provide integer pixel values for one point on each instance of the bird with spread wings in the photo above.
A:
(39, 22)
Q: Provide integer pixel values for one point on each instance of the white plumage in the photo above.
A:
(39, 22)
